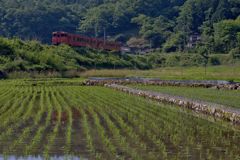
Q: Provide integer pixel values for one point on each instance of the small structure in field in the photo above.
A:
(193, 40)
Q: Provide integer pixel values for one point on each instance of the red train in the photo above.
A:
(83, 41)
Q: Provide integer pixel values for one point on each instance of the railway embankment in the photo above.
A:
(215, 84)
(215, 110)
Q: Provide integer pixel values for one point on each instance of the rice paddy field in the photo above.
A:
(49, 120)
(228, 72)
(229, 98)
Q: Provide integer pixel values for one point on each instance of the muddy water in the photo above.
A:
(13, 157)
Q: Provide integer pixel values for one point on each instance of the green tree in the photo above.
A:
(225, 34)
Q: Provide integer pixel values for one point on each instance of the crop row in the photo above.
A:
(99, 123)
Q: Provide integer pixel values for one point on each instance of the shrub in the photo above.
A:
(214, 61)
(235, 53)
(172, 60)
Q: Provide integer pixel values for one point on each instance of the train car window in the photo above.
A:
(84, 40)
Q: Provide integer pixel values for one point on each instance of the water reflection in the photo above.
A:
(13, 157)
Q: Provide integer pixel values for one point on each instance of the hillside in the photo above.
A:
(37, 59)
(167, 24)
(18, 55)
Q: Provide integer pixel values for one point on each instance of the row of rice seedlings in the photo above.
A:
(68, 133)
(4, 90)
(121, 141)
(109, 97)
(115, 100)
(8, 100)
(20, 111)
(14, 110)
(178, 129)
(5, 93)
(143, 110)
(132, 118)
(39, 113)
(140, 121)
(36, 141)
(19, 94)
(41, 105)
(53, 134)
(174, 120)
(107, 144)
(89, 138)
(101, 131)
(50, 108)
(85, 123)
(108, 100)
(28, 110)
(143, 119)
(175, 135)
(19, 141)
(110, 149)
(127, 130)
(139, 125)
(186, 133)
(150, 117)
(150, 114)
(25, 133)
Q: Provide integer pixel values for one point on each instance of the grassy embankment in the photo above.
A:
(224, 97)
(192, 73)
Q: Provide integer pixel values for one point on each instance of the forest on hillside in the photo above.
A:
(163, 24)
(23, 59)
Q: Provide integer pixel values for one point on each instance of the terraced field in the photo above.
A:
(48, 120)
(228, 98)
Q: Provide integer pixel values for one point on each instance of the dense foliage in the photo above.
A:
(18, 55)
(165, 24)
(32, 56)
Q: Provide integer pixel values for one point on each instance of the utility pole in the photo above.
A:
(95, 28)
(104, 35)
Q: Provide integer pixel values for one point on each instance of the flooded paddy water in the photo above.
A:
(14, 157)
(77, 122)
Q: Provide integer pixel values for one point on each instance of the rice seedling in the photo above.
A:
(50, 120)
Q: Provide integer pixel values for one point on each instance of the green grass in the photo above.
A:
(100, 123)
(225, 97)
(191, 73)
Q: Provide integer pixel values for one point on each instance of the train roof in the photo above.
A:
(78, 35)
